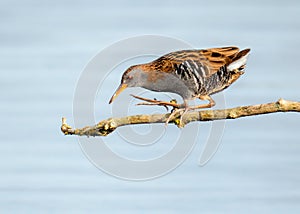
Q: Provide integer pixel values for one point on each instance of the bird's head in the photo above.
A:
(133, 77)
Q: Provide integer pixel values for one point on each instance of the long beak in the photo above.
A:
(118, 91)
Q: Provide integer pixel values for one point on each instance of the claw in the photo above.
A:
(174, 111)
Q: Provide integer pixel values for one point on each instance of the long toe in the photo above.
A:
(173, 113)
(182, 115)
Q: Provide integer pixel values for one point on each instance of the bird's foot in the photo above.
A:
(180, 109)
(165, 104)
(178, 120)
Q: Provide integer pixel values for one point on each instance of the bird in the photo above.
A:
(192, 74)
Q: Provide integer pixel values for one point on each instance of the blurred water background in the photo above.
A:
(44, 48)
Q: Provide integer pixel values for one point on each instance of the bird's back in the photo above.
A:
(203, 72)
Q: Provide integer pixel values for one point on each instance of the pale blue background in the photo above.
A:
(46, 44)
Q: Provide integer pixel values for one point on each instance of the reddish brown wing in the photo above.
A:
(215, 58)
(210, 59)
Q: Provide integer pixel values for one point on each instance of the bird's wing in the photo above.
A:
(203, 62)
(215, 58)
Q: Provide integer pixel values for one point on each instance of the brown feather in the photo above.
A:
(213, 59)
(189, 73)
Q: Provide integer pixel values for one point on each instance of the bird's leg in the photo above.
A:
(156, 102)
(208, 105)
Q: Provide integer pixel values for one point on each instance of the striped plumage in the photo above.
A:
(189, 73)
(203, 71)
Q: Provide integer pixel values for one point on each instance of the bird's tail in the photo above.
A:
(239, 61)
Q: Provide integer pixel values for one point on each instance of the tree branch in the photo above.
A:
(105, 127)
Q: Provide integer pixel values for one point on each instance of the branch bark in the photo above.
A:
(105, 127)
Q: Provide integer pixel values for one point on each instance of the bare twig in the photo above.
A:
(107, 126)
